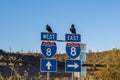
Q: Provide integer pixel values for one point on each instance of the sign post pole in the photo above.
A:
(48, 75)
(83, 59)
(72, 76)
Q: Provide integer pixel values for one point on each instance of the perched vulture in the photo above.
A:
(72, 29)
(48, 28)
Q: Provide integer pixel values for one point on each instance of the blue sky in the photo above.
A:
(22, 21)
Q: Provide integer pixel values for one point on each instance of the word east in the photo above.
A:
(72, 37)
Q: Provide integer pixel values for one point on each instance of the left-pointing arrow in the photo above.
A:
(48, 65)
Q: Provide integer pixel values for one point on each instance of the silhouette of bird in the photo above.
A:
(48, 28)
(72, 29)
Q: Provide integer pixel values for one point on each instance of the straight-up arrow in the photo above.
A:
(75, 65)
(48, 65)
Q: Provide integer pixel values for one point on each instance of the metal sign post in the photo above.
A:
(73, 51)
(48, 75)
(72, 76)
(83, 59)
(48, 49)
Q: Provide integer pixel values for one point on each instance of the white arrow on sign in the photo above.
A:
(48, 65)
(75, 65)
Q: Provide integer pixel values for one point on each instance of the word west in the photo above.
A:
(48, 36)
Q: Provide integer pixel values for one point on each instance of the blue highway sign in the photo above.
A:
(48, 65)
(48, 49)
(73, 50)
(73, 66)
(48, 36)
(73, 37)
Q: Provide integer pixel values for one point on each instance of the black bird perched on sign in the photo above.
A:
(72, 29)
(48, 28)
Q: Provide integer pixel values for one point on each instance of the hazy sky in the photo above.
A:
(22, 21)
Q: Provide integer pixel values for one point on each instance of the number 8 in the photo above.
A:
(48, 52)
(73, 51)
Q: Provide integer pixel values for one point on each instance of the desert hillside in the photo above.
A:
(20, 62)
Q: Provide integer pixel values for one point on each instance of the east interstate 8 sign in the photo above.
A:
(48, 49)
(73, 50)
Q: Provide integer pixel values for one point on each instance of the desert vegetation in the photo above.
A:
(112, 60)
(25, 66)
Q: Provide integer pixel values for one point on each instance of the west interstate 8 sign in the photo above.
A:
(48, 49)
